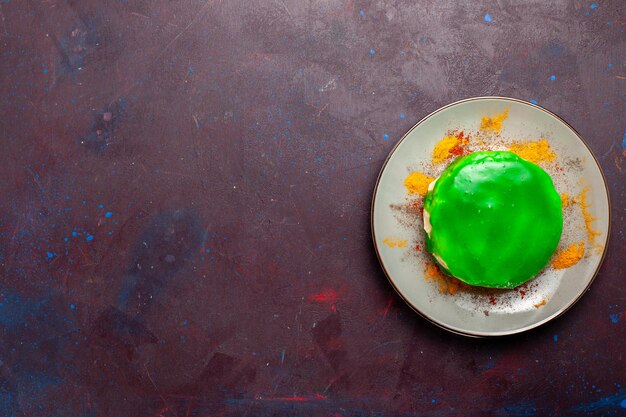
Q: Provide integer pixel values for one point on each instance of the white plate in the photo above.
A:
(476, 312)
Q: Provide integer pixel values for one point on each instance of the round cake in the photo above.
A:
(492, 219)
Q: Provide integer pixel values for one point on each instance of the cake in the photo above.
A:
(492, 219)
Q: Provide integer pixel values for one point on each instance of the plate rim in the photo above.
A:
(478, 334)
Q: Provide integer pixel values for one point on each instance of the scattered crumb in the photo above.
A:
(564, 200)
(569, 257)
(393, 243)
(575, 164)
(541, 303)
(535, 152)
(417, 183)
(494, 124)
(441, 152)
(446, 284)
(433, 271)
(453, 144)
(581, 199)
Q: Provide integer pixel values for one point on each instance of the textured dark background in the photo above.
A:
(186, 186)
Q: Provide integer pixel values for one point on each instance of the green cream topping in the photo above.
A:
(495, 219)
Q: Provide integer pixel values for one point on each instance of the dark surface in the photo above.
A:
(235, 145)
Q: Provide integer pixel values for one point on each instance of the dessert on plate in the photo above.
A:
(492, 219)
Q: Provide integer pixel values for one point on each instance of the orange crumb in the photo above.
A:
(540, 303)
(451, 145)
(445, 284)
(453, 285)
(569, 256)
(535, 152)
(417, 183)
(581, 199)
(392, 243)
(564, 200)
(494, 124)
(432, 271)
(441, 152)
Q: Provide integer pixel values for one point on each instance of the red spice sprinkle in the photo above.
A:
(328, 296)
(457, 150)
(417, 205)
(522, 290)
(492, 300)
(417, 248)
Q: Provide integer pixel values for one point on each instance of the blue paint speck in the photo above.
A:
(433, 401)
(372, 52)
(66, 239)
(402, 116)
(74, 234)
(100, 206)
(552, 77)
(361, 13)
(533, 101)
(185, 322)
(49, 255)
(593, 6)
(45, 70)
(190, 69)
(555, 338)
(72, 306)
(615, 318)
(617, 399)
(610, 65)
(318, 159)
(282, 357)
(89, 238)
(524, 409)
(488, 18)
(108, 214)
(385, 136)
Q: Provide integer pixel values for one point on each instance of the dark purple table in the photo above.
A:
(184, 229)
